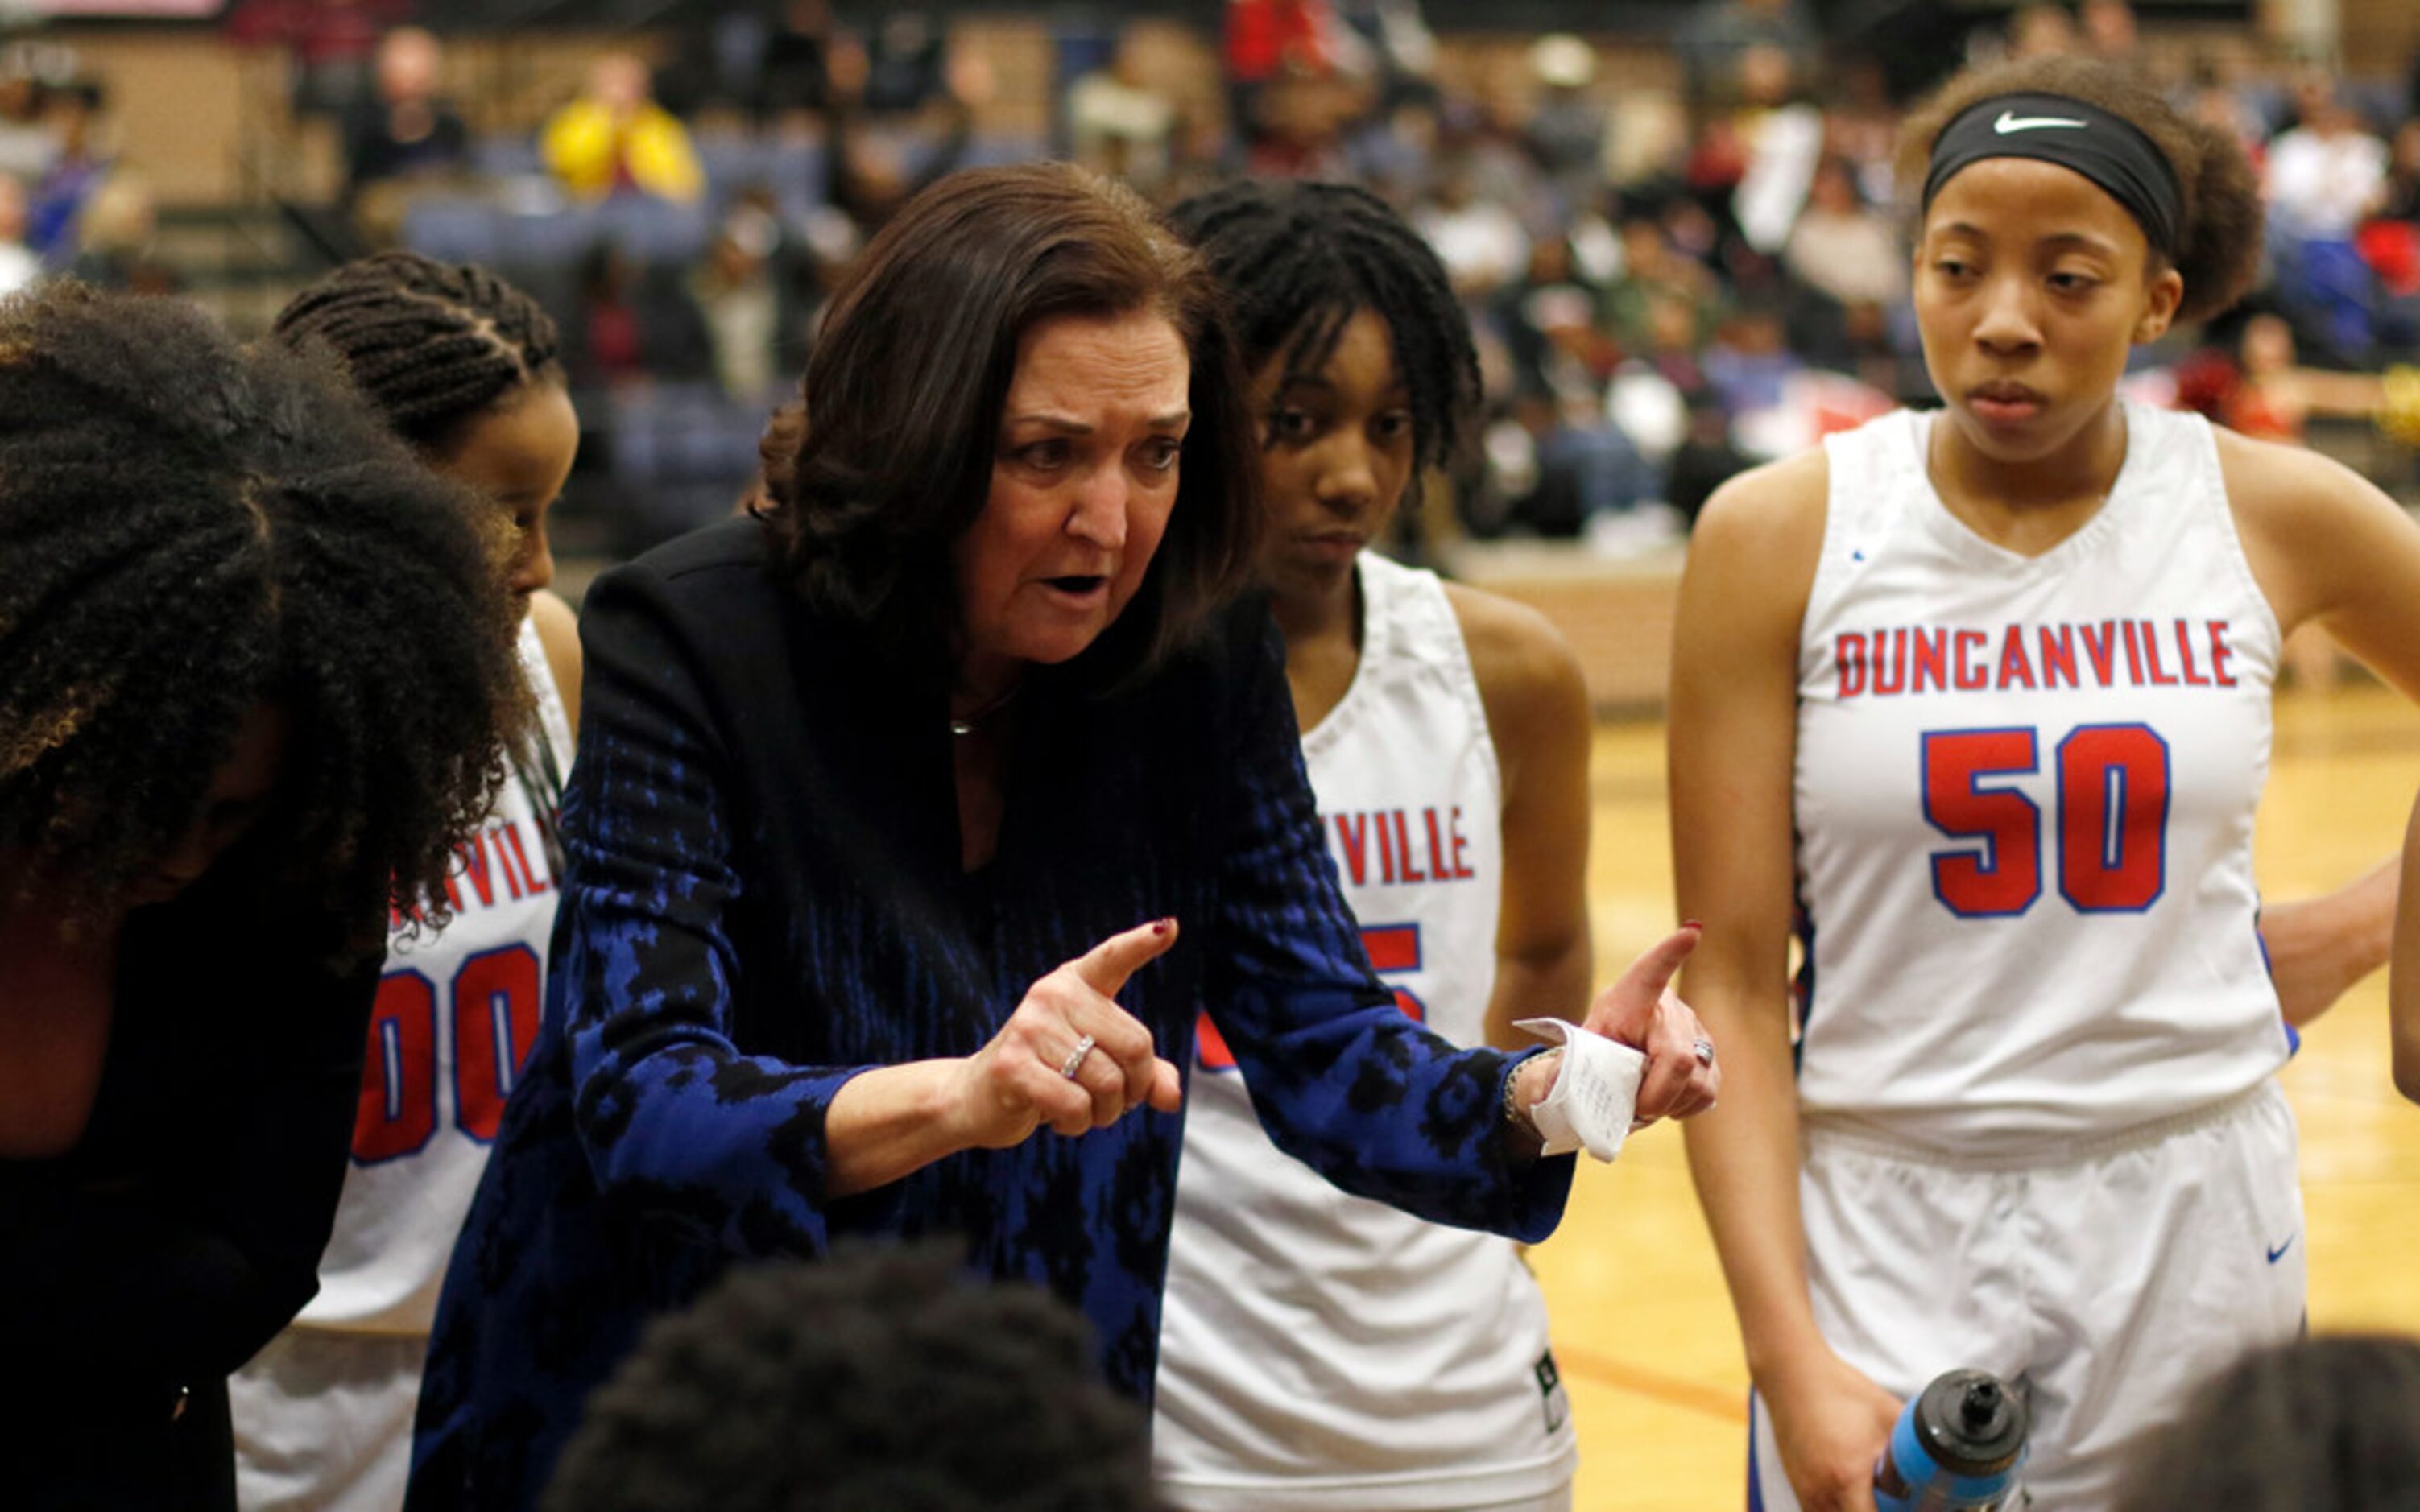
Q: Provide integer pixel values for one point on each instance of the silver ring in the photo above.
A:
(1075, 1061)
(1704, 1050)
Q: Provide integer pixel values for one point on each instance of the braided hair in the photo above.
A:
(431, 344)
(1299, 259)
(191, 529)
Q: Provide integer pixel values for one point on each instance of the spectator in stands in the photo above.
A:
(747, 298)
(907, 62)
(2042, 29)
(329, 44)
(114, 240)
(1547, 321)
(2320, 1425)
(1119, 123)
(800, 62)
(71, 113)
(877, 1378)
(1711, 41)
(1477, 236)
(26, 144)
(1265, 40)
(614, 139)
(2109, 31)
(403, 129)
(1652, 268)
(1585, 468)
(631, 325)
(19, 263)
(1846, 266)
(2324, 177)
(1566, 130)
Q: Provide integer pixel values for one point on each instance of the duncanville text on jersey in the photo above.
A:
(1922, 658)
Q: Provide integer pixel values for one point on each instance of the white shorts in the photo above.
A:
(323, 1421)
(2107, 1287)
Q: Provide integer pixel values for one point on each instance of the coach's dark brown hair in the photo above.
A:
(903, 393)
(2218, 249)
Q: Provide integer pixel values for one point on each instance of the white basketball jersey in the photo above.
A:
(456, 1012)
(1319, 1349)
(2024, 790)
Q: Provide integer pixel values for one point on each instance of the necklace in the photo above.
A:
(970, 723)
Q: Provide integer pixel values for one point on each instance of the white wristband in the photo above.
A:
(1595, 1094)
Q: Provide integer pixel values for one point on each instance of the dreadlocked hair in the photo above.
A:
(1299, 259)
(431, 343)
(191, 529)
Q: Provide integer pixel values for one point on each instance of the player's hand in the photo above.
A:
(1031, 1074)
(1832, 1424)
(1641, 1011)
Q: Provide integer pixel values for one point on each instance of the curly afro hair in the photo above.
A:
(191, 529)
(2219, 251)
(1299, 259)
(875, 1380)
(432, 345)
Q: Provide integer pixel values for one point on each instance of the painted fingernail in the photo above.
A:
(1161, 927)
(1691, 923)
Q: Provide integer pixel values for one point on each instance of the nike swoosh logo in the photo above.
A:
(2010, 122)
(2279, 1253)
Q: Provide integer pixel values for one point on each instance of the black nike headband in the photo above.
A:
(2109, 150)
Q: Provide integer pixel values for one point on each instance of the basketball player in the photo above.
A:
(1317, 1350)
(1980, 700)
(462, 365)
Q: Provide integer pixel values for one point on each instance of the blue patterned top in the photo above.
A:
(763, 897)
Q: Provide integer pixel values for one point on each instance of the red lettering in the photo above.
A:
(1436, 849)
(2184, 652)
(1849, 652)
(1385, 850)
(2133, 654)
(1353, 835)
(1403, 849)
(1932, 660)
(2161, 676)
(520, 854)
(1970, 672)
(1461, 846)
(1890, 675)
(2219, 653)
(513, 879)
(2014, 666)
(475, 865)
(2100, 651)
(2058, 657)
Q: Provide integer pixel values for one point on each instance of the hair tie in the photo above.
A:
(2107, 148)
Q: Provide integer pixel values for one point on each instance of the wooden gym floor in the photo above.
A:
(1642, 1329)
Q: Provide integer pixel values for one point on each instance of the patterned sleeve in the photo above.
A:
(1340, 1077)
(674, 1119)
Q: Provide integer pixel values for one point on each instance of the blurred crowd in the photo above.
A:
(1672, 277)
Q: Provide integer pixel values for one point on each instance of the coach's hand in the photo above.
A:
(1070, 1057)
(1641, 1010)
(1832, 1425)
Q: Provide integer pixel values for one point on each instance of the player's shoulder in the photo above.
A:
(1775, 508)
(2266, 480)
(1525, 669)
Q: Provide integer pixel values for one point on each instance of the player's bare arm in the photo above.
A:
(2403, 979)
(558, 632)
(1538, 718)
(1733, 737)
(2327, 546)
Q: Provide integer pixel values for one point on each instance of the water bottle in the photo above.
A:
(1955, 1447)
